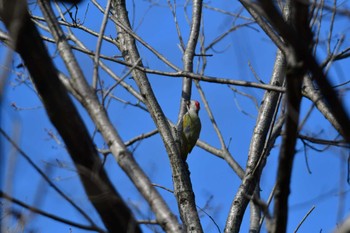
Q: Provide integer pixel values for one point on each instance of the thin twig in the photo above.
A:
(45, 177)
(99, 44)
(304, 218)
(51, 216)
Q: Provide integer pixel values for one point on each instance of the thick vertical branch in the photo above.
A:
(113, 211)
(296, 70)
(182, 183)
(190, 53)
(256, 149)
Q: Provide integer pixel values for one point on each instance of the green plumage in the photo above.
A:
(191, 128)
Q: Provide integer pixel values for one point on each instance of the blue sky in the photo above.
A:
(214, 182)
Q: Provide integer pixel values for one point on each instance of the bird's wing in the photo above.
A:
(186, 125)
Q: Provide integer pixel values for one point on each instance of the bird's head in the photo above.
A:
(193, 105)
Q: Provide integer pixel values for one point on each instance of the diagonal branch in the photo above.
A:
(182, 183)
(256, 150)
(96, 111)
(49, 215)
(45, 177)
(64, 116)
(99, 45)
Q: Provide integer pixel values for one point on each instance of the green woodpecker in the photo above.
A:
(191, 128)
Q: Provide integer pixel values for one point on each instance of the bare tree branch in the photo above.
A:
(130, 68)
(263, 126)
(301, 50)
(299, 21)
(63, 114)
(99, 44)
(48, 215)
(182, 184)
(45, 177)
(189, 54)
(166, 219)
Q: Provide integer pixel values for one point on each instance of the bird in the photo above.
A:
(191, 128)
